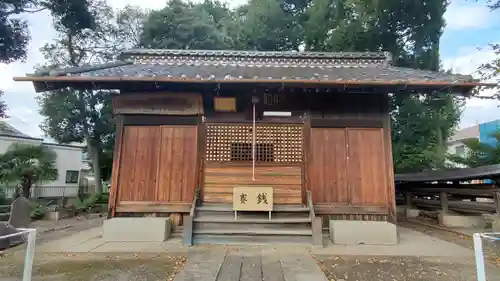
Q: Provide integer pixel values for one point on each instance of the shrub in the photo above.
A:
(38, 212)
(103, 198)
(3, 197)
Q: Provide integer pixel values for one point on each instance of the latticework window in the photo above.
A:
(264, 152)
(274, 143)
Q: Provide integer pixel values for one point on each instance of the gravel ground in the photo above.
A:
(400, 268)
(95, 267)
(491, 248)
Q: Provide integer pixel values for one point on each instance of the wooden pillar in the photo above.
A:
(444, 201)
(113, 193)
(187, 231)
(409, 199)
(497, 202)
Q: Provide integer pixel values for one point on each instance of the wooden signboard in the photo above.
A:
(159, 103)
(252, 198)
(225, 104)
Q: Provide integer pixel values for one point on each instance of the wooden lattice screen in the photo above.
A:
(274, 143)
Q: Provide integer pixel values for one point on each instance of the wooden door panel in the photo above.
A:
(367, 170)
(327, 174)
(138, 165)
(177, 172)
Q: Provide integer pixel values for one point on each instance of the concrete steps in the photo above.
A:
(252, 220)
(216, 224)
(235, 239)
(177, 232)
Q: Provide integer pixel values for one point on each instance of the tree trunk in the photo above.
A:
(25, 185)
(94, 150)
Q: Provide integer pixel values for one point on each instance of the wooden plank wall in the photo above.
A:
(347, 166)
(327, 171)
(147, 172)
(367, 172)
(219, 180)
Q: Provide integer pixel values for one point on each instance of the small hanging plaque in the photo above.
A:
(225, 104)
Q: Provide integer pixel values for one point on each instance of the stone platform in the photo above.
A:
(149, 229)
(363, 232)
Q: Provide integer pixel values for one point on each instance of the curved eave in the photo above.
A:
(76, 80)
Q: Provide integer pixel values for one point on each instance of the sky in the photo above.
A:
(471, 26)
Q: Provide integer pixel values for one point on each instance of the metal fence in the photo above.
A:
(45, 191)
(479, 252)
(29, 253)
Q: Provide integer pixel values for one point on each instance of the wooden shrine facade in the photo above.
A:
(185, 126)
(335, 144)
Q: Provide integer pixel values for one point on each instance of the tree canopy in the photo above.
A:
(3, 106)
(14, 33)
(480, 153)
(73, 115)
(410, 30)
(27, 164)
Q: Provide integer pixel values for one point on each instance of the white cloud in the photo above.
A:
(147, 4)
(469, 15)
(467, 61)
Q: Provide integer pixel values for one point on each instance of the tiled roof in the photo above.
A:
(231, 71)
(254, 65)
(8, 130)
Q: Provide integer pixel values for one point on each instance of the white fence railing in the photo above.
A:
(479, 253)
(45, 191)
(29, 253)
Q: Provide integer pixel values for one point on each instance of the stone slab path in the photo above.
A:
(228, 265)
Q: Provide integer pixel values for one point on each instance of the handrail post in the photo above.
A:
(316, 223)
(443, 198)
(187, 234)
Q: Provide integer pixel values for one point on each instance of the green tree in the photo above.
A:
(27, 164)
(420, 128)
(182, 25)
(14, 33)
(3, 106)
(74, 115)
(493, 4)
(491, 71)
(267, 25)
(478, 153)
(410, 30)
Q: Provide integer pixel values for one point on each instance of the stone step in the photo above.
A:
(229, 208)
(243, 220)
(177, 232)
(231, 226)
(230, 230)
(252, 215)
(245, 239)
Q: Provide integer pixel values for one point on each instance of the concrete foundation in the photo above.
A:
(150, 229)
(454, 220)
(412, 213)
(495, 225)
(363, 232)
(400, 211)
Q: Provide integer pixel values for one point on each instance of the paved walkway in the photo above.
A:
(247, 263)
(235, 265)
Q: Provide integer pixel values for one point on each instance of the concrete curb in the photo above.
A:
(438, 227)
(54, 229)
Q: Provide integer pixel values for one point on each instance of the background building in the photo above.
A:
(71, 163)
(481, 131)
